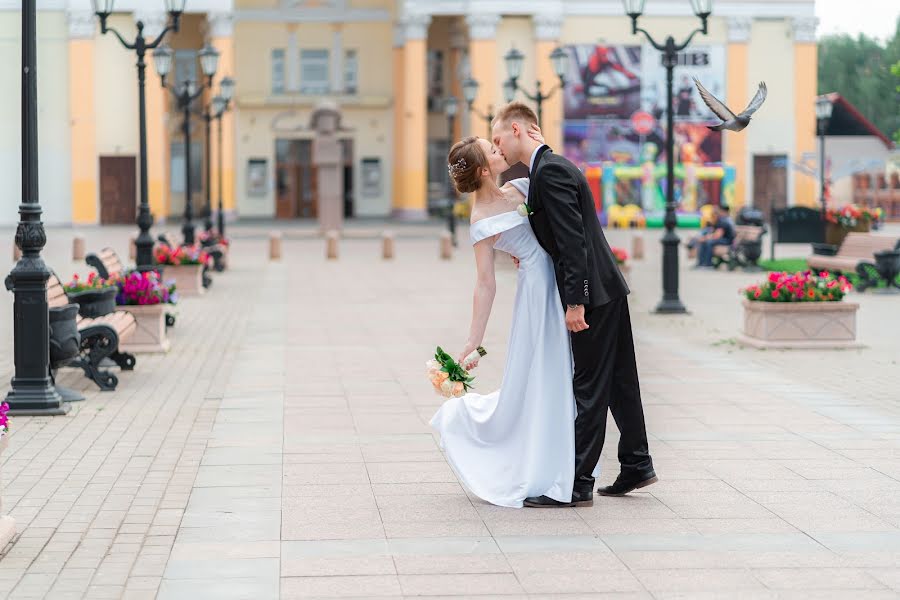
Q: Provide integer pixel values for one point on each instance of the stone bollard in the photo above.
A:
(387, 245)
(446, 246)
(132, 247)
(78, 248)
(275, 245)
(331, 245)
(637, 247)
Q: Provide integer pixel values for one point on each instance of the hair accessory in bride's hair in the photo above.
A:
(456, 167)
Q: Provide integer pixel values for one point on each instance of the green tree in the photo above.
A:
(863, 70)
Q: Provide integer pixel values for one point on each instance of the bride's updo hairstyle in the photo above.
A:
(465, 162)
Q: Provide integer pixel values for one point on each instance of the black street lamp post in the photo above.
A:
(451, 107)
(824, 108)
(220, 106)
(185, 94)
(214, 111)
(670, 303)
(514, 60)
(103, 9)
(32, 390)
(470, 92)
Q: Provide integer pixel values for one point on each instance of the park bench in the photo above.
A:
(796, 225)
(100, 338)
(744, 250)
(108, 264)
(857, 247)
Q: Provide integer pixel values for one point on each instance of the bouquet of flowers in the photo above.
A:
(145, 288)
(799, 287)
(208, 238)
(850, 215)
(4, 419)
(449, 379)
(183, 255)
(620, 254)
(91, 283)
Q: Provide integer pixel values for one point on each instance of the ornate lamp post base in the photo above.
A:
(37, 401)
(670, 303)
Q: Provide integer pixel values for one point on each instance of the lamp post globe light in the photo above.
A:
(32, 391)
(514, 60)
(103, 9)
(185, 93)
(451, 108)
(470, 93)
(824, 107)
(670, 303)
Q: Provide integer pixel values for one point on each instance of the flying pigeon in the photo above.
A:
(731, 121)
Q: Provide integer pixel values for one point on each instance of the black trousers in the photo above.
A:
(606, 377)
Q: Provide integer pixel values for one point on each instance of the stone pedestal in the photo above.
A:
(188, 279)
(800, 325)
(387, 245)
(331, 245)
(446, 246)
(150, 334)
(7, 523)
(275, 245)
(637, 247)
(329, 162)
(78, 246)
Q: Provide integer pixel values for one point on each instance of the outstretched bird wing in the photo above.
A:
(714, 104)
(757, 101)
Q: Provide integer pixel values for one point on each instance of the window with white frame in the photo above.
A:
(314, 72)
(351, 70)
(278, 71)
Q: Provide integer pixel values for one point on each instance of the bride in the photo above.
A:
(519, 441)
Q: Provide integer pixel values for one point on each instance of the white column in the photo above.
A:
(337, 60)
(292, 63)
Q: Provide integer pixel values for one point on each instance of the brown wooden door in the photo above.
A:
(769, 182)
(296, 194)
(118, 190)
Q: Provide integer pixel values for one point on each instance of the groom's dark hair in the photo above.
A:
(515, 111)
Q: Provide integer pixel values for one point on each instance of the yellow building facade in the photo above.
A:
(389, 65)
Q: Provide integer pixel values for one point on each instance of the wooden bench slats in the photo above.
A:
(123, 322)
(857, 246)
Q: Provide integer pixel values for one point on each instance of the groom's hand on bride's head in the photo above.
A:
(575, 319)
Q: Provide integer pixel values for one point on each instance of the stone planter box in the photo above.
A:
(7, 523)
(188, 279)
(800, 325)
(150, 334)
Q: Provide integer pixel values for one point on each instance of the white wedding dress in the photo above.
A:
(519, 441)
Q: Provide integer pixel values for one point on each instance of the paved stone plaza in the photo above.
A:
(281, 449)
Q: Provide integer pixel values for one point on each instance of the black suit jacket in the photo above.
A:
(565, 223)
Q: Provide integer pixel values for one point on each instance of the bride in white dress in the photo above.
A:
(519, 441)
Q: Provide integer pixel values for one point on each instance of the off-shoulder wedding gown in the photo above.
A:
(519, 441)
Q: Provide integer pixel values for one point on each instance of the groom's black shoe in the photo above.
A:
(579, 499)
(628, 483)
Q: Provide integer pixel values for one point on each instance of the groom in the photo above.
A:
(594, 292)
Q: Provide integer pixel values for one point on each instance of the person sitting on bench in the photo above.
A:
(722, 235)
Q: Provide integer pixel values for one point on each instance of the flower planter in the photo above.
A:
(94, 303)
(188, 278)
(150, 334)
(7, 523)
(835, 233)
(799, 325)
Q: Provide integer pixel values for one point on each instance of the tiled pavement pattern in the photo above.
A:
(281, 449)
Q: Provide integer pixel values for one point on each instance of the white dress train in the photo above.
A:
(519, 441)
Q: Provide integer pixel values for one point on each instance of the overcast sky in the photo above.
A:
(876, 18)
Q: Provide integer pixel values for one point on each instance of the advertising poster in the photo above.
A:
(604, 81)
